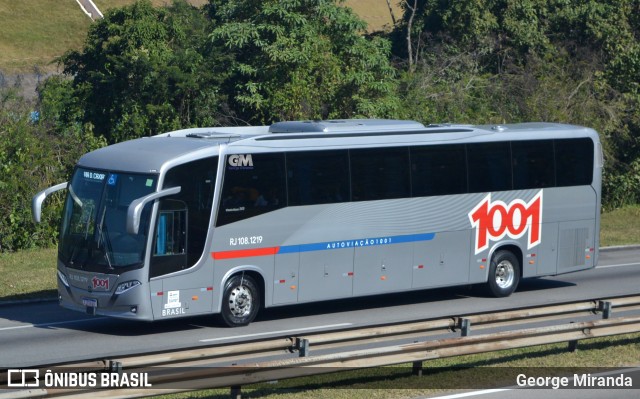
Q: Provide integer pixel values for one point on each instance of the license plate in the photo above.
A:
(90, 302)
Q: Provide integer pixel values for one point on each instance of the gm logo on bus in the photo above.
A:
(240, 160)
(494, 219)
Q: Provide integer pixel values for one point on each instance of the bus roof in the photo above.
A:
(151, 154)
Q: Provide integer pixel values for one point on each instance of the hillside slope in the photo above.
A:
(33, 33)
(375, 12)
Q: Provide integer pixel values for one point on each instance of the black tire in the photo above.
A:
(240, 301)
(504, 274)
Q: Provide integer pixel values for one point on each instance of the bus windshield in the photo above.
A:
(93, 233)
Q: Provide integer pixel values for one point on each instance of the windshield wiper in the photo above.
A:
(105, 239)
(72, 257)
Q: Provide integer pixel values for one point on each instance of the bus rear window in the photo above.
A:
(574, 162)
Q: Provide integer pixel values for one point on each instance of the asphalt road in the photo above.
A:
(43, 333)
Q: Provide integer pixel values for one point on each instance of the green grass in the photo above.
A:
(31, 274)
(376, 13)
(33, 33)
(28, 274)
(621, 226)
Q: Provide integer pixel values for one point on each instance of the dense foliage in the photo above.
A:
(302, 59)
(495, 61)
(145, 70)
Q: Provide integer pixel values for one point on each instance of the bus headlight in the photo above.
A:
(63, 278)
(126, 286)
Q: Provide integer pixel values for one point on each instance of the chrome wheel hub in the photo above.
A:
(505, 274)
(240, 301)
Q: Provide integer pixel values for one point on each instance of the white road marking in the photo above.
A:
(620, 265)
(468, 394)
(278, 332)
(48, 324)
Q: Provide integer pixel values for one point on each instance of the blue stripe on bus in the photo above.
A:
(357, 243)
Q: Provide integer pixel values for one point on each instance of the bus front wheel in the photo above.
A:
(240, 301)
(504, 274)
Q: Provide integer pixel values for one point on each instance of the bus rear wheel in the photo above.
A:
(504, 274)
(240, 301)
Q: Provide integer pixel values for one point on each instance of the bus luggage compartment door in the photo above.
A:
(385, 268)
(285, 278)
(326, 275)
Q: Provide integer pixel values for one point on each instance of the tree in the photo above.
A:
(302, 59)
(145, 70)
(499, 61)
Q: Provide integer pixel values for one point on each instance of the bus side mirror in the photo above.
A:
(135, 209)
(38, 199)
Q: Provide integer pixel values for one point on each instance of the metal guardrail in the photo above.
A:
(234, 365)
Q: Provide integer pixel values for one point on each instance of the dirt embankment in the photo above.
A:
(26, 82)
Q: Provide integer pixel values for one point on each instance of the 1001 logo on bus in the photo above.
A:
(494, 219)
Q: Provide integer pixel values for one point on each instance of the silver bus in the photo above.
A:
(228, 220)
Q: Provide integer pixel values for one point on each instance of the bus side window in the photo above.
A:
(533, 164)
(183, 219)
(318, 177)
(170, 247)
(252, 189)
(489, 166)
(380, 173)
(171, 232)
(438, 170)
